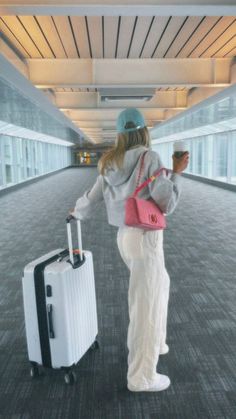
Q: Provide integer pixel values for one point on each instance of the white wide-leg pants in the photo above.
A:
(142, 252)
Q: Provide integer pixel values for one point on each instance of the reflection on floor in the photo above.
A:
(200, 257)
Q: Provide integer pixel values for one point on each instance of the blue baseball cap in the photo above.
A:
(130, 120)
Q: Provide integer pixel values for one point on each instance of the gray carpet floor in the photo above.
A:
(200, 257)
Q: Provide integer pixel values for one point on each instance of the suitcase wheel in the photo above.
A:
(34, 371)
(95, 345)
(70, 377)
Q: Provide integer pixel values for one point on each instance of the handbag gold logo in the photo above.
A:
(153, 218)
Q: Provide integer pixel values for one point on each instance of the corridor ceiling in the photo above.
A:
(94, 58)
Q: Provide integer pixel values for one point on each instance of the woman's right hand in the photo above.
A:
(180, 163)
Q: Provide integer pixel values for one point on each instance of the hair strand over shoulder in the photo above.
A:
(124, 142)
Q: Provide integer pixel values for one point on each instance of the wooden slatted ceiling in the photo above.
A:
(216, 45)
(170, 32)
(165, 89)
(121, 37)
(95, 33)
(190, 26)
(212, 37)
(232, 52)
(70, 89)
(228, 46)
(110, 41)
(95, 90)
(197, 36)
(140, 33)
(16, 27)
(48, 27)
(35, 36)
(12, 38)
(125, 34)
(63, 25)
(156, 31)
(79, 25)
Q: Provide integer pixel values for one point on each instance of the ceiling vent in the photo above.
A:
(126, 94)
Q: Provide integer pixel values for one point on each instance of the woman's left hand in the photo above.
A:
(180, 163)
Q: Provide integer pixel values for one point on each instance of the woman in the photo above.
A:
(142, 251)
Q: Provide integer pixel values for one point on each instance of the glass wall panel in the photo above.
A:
(199, 156)
(22, 159)
(18, 110)
(1, 165)
(211, 114)
(233, 157)
(19, 160)
(212, 156)
(8, 160)
(221, 151)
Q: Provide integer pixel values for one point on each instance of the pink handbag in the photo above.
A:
(144, 213)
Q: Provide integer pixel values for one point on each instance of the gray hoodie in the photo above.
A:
(117, 184)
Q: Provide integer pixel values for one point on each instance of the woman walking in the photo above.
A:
(141, 250)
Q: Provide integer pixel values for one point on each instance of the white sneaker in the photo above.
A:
(162, 383)
(164, 349)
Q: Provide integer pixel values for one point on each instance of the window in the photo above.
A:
(23, 158)
(8, 160)
(1, 162)
(221, 144)
(212, 156)
(232, 157)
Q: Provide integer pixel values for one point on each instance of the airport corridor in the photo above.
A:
(200, 258)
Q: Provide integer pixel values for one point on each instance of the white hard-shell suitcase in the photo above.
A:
(60, 308)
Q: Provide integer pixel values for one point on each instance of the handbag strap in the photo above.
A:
(140, 169)
(149, 180)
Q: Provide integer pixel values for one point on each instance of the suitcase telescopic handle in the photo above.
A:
(69, 235)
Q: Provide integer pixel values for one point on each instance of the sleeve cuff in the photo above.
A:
(75, 215)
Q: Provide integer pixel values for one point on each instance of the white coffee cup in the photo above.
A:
(180, 147)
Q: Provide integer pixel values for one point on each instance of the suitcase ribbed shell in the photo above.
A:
(74, 312)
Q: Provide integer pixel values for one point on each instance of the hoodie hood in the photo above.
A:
(115, 176)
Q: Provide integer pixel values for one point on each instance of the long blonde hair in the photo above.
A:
(124, 141)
